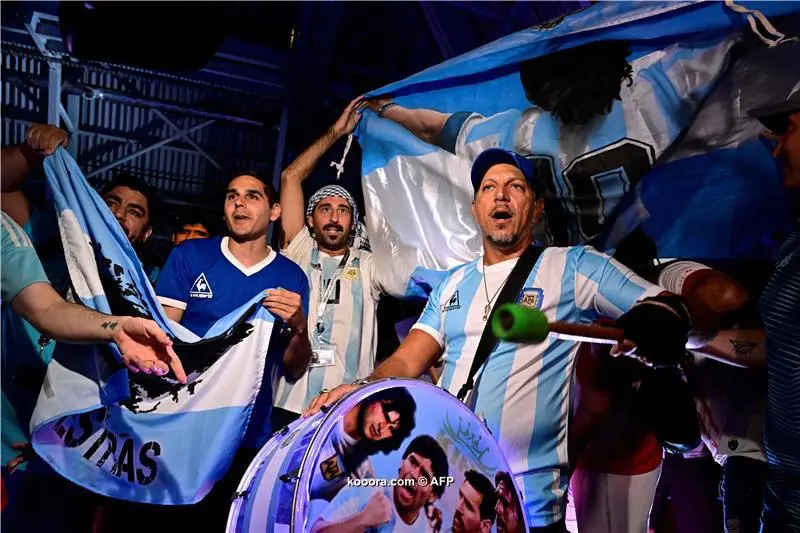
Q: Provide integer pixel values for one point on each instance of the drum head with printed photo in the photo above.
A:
(395, 455)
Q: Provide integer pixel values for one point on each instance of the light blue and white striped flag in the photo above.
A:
(133, 436)
(678, 155)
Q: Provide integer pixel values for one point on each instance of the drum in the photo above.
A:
(396, 454)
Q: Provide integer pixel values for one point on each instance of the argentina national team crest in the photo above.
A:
(201, 288)
(351, 273)
(532, 298)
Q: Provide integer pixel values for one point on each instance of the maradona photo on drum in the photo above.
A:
(395, 455)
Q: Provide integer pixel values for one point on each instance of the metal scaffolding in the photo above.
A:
(42, 30)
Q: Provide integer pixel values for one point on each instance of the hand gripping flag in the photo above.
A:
(132, 436)
(677, 153)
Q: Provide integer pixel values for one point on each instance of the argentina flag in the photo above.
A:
(676, 155)
(133, 436)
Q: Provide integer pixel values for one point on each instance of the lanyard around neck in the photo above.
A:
(323, 301)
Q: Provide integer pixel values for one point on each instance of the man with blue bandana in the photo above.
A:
(329, 243)
(522, 390)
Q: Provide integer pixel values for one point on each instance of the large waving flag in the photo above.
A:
(677, 156)
(133, 436)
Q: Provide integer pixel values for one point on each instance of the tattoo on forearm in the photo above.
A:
(743, 347)
(109, 325)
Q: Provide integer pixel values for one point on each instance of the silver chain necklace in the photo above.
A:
(488, 308)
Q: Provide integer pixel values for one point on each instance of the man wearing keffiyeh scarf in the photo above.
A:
(355, 236)
(330, 244)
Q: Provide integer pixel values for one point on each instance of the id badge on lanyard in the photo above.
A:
(324, 354)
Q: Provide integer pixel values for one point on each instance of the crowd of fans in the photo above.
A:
(648, 419)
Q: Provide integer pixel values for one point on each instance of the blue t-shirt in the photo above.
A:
(205, 280)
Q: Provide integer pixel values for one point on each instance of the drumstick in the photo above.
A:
(514, 323)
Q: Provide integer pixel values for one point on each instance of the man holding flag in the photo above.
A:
(206, 279)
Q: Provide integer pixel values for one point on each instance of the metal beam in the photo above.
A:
(436, 29)
(150, 148)
(91, 93)
(188, 139)
(280, 147)
(54, 108)
(277, 166)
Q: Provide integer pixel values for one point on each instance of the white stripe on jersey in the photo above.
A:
(523, 390)
(15, 232)
(349, 324)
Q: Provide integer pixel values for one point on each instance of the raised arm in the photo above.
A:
(291, 194)
(18, 161)
(426, 124)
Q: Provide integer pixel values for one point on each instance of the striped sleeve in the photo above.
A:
(20, 265)
(606, 287)
(479, 133)
(431, 320)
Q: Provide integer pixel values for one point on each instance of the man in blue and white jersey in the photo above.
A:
(205, 279)
(328, 242)
(601, 118)
(378, 424)
(401, 508)
(522, 390)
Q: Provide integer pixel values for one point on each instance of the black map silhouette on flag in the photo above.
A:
(125, 299)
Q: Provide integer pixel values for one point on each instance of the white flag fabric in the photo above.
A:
(133, 436)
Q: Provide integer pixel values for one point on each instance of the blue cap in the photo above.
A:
(498, 156)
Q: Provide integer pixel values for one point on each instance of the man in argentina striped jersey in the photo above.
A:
(378, 424)
(329, 243)
(522, 390)
(402, 508)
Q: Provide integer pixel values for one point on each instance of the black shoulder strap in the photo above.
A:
(510, 293)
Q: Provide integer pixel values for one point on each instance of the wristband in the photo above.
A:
(386, 106)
